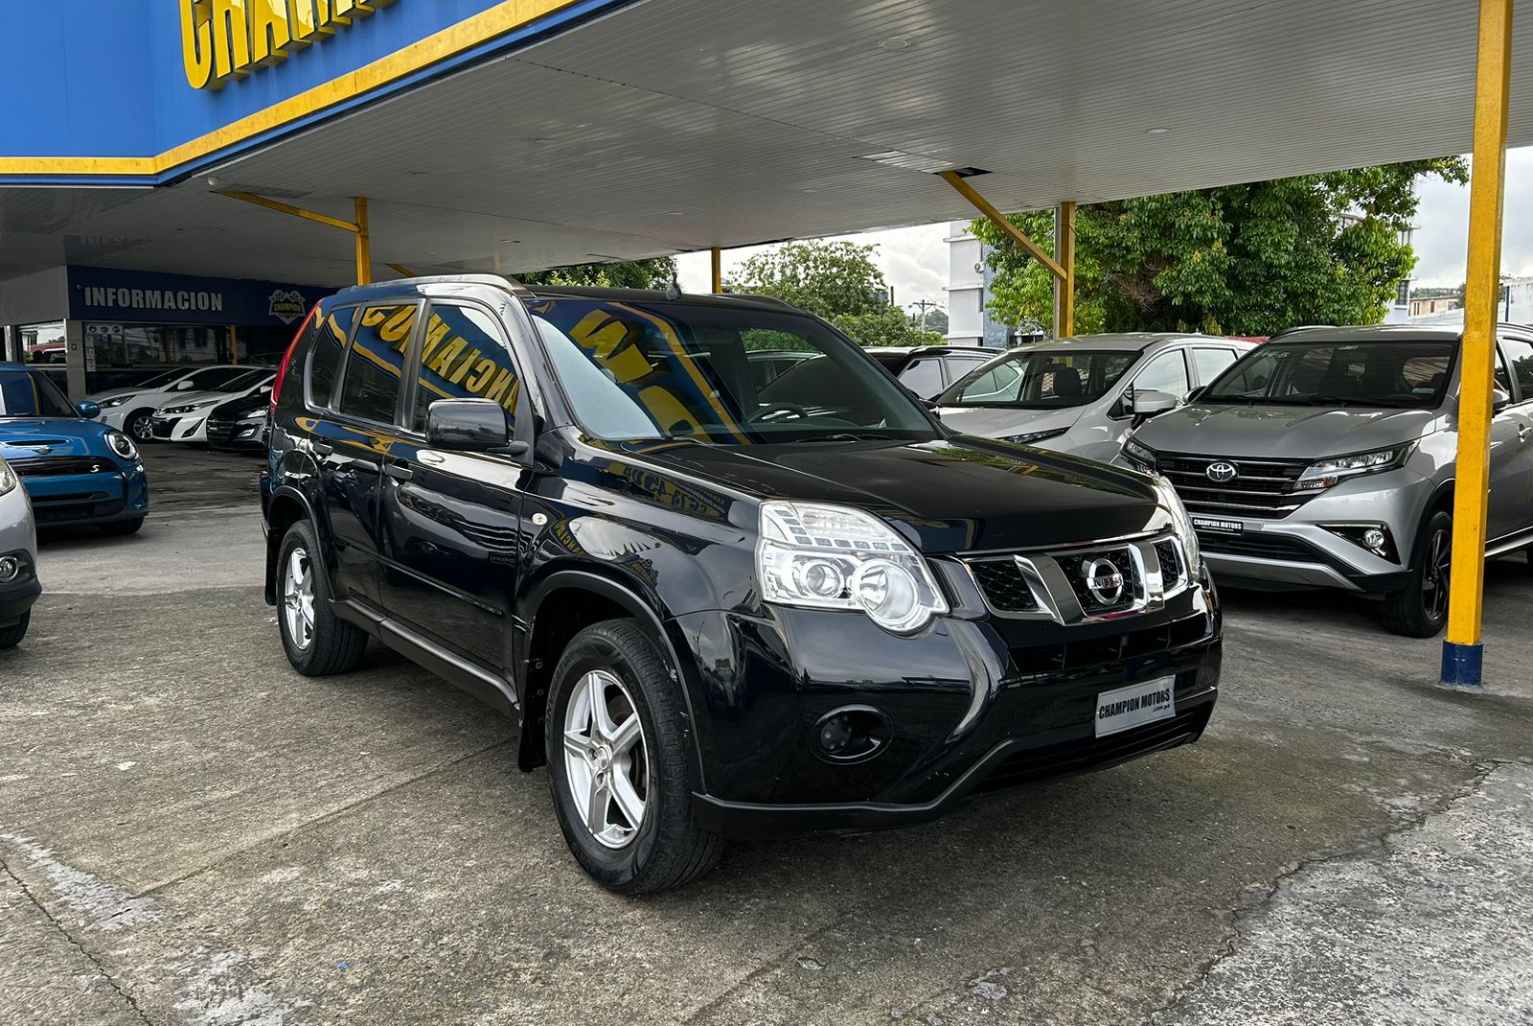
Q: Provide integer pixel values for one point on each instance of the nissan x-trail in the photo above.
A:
(717, 608)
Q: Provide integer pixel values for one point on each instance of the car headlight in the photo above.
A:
(835, 557)
(115, 401)
(122, 445)
(1140, 456)
(1181, 523)
(190, 407)
(1325, 473)
(7, 478)
(1033, 437)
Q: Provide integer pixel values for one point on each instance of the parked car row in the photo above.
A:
(1325, 458)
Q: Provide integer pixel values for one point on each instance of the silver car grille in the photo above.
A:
(1084, 584)
(1261, 489)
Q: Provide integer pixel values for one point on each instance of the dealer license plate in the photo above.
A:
(1135, 705)
(1219, 526)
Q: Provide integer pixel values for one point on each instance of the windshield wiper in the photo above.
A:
(849, 436)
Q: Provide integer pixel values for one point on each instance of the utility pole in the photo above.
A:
(925, 304)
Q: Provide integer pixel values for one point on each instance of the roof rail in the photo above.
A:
(757, 297)
(498, 281)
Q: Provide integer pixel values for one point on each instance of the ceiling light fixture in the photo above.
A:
(1156, 131)
(895, 43)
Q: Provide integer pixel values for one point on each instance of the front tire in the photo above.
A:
(139, 427)
(11, 636)
(318, 642)
(617, 763)
(1420, 609)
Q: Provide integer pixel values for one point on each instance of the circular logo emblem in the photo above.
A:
(1104, 580)
(1221, 473)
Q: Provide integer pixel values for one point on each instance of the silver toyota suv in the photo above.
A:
(1326, 458)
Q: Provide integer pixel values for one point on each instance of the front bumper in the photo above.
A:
(977, 705)
(190, 427)
(72, 500)
(1310, 547)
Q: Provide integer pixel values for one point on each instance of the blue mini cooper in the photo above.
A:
(76, 472)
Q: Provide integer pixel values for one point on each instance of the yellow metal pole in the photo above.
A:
(288, 208)
(364, 245)
(234, 345)
(1487, 189)
(402, 270)
(1064, 285)
(985, 207)
(718, 272)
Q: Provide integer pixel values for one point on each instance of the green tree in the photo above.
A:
(839, 282)
(1240, 260)
(650, 273)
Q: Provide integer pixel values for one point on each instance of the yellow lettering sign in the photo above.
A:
(228, 39)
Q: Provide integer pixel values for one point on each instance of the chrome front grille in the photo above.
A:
(1084, 584)
(1261, 489)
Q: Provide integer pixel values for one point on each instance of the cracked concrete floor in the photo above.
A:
(191, 833)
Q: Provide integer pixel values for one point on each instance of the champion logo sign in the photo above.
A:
(286, 305)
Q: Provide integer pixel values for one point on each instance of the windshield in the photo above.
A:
(23, 394)
(1330, 373)
(244, 381)
(160, 379)
(675, 370)
(1040, 380)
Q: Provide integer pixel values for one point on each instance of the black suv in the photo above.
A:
(717, 610)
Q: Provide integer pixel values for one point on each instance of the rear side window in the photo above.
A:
(1520, 353)
(923, 377)
(370, 387)
(328, 342)
(1211, 362)
(464, 356)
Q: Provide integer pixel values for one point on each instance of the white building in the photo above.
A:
(968, 291)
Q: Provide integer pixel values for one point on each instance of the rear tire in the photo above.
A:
(1420, 609)
(318, 642)
(11, 636)
(634, 770)
(122, 528)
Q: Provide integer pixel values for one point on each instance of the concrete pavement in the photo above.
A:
(192, 833)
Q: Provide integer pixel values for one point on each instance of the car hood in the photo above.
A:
(951, 495)
(1003, 421)
(22, 440)
(1281, 432)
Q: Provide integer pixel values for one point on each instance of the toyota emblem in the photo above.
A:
(1222, 473)
(1104, 580)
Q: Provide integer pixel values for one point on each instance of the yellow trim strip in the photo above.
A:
(465, 35)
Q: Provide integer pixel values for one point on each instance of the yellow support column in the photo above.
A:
(718, 271)
(1487, 189)
(1064, 283)
(234, 345)
(364, 245)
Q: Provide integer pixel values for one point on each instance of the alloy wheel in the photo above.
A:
(1435, 578)
(298, 598)
(141, 428)
(605, 759)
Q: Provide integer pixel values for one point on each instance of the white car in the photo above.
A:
(1083, 395)
(18, 559)
(129, 409)
(184, 418)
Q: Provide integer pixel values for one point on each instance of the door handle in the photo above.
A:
(398, 471)
(323, 448)
(1522, 432)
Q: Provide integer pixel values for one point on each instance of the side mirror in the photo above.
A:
(1195, 395)
(184, 384)
(1148, 403)
(1500, 399)
(88, 409)
(471, 425)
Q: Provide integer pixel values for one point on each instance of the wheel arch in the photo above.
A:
(286, 507)
(559, 606)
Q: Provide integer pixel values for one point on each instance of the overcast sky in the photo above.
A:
(914, 260)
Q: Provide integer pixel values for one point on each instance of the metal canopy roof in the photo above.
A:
(675, 125)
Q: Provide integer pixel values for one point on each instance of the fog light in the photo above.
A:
(1374, 538)
(10, 568)
(852, 734)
